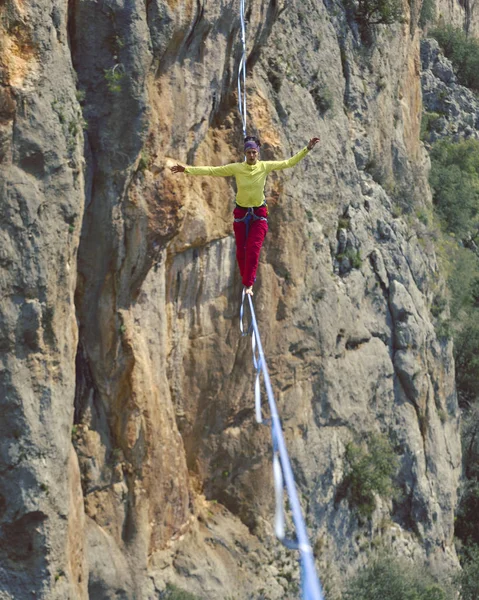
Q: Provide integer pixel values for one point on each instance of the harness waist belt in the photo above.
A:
(253, 207)
(250, 214)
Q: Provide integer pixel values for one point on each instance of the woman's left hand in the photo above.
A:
(312, 143)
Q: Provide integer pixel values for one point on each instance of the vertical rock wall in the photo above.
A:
(41, 210)
(169, 479)
(459, 14)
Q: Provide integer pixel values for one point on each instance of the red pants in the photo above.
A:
(249, 239)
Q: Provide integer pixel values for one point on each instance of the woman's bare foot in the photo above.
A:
(249, 290)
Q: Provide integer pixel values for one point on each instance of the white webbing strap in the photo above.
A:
(257, 387)
(282, 471)
(242, 71)
(244, 331)
(279, 497)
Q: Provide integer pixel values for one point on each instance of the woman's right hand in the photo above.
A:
(178, 169)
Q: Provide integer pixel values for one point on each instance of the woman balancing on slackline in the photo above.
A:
(250, 214)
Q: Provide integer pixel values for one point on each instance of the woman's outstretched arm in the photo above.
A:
(279, 165)
(224, 171)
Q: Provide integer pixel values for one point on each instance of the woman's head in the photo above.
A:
(251, 149)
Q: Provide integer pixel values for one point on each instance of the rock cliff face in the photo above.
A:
(129, 453)
(453, 108)
(459, 14)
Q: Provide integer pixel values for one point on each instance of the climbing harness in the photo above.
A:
(249, 216)
(282, 471)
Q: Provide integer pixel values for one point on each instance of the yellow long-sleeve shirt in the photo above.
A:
(250, 179)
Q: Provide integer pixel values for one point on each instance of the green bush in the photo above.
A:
(392, 579)
(429, 122)
(371, 468)
(344, 223)
(469, 578)
(323, 99)
(114, 78)
(462, 51)
(455, 183)
(353, 256)
(438, 306)
(444, 329)
(144, 161)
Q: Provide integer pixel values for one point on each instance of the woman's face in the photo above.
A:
(251, 156)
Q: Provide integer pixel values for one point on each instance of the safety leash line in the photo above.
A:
(282, 471)
(242, 70)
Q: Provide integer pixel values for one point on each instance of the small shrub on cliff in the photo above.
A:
(376, 12)
(350, 259)
(462, 50)
(323, 99)
(114, 78)
(144, 161)
(344, 223)
(438, 306)
(443, 329)
(175, 593)
(371, 468)
(429, 122)
(394, 579)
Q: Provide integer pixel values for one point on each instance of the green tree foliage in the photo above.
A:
(371, 468)
(374, 12)
(463, 52)
(469, 578)
(463, 285)
(379, 12)
(463, 271)
(459, 216)
(393, 579)
(455, 183)
(467, 525)
(466, 354)
(428, 12)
